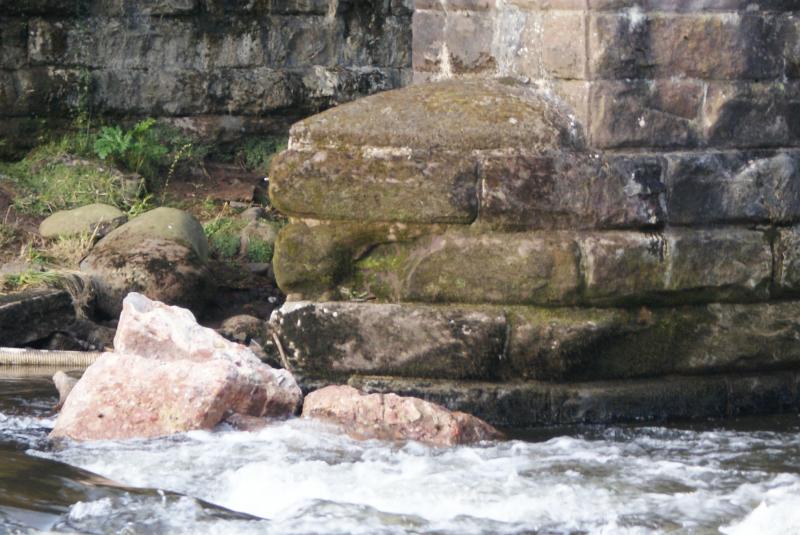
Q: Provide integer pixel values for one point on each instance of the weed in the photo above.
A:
(27, 279)
(138, 150)
(255, 154)
(141, 205)
(223, 235)
(8, 235)
(68, 251)
(51, 180)
(259, 251)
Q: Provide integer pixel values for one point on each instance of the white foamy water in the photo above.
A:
(300, 477)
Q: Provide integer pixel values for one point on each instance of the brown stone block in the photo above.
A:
(658, 113)
(571, 191)
(733, 187)
(405, 340)
(709, 45)
(752, 114)
(373, 184)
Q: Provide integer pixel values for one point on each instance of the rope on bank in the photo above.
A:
(37, 357)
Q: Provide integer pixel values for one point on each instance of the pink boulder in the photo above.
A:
(169, 375)
(392, 417)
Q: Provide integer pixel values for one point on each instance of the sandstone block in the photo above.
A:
(752, 114)
(662, 114)
(704, 45)
(488, 115)
(320, 339)
(601, 344)
(571, 191)
(734, 187)
(391, 417)
(375, 185)
(528, 404)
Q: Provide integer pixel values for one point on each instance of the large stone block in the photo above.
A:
(37, 91)
(571, 191)
(660, 399)
(598, 344)
(752, 114)
(705, 45)
(26, 317)
(13, 43)
(460, 115)
(473, 265)
(733, 187)
(676, 266)
(375, 184)
(660, 113)
(329, 339)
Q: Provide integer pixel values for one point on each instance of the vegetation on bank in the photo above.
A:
(131, 168)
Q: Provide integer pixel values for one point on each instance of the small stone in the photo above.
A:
(95, 219)
(392, 417)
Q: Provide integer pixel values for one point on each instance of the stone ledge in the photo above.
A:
(470, 264)
(30, 316)
(662, 399)
(334, 339)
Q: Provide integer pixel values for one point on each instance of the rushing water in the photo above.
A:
(301, 477)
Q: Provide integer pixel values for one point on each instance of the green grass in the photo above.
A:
(28, 279)
(8, 235)
(256, 153)
(49, 180)
(223, 236)
(259, 251)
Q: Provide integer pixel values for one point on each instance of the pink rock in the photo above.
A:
(169, 375)
(392, 417)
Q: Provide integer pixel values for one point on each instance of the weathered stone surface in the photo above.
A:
(787, 260)
(94, 219)
(599, 344)
(751, 114)
(705, 45)
(473, 265)
(734, 187)
(490, 115)
(375, 185)
(659, 399)
(571, 191)
(32, 315)
(312, 258)
(161, 253)
(323, 339)
(462, 266)
(169, 375)
(391, 417)
(663, 113)
(676, 266)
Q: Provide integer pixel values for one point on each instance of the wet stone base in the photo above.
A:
(529, 404)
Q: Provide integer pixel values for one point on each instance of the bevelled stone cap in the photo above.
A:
(451, 115)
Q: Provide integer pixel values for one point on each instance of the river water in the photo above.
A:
(300, 477)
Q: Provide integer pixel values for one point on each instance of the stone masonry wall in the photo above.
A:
(591, 216)
(216, 65)
(709, 89)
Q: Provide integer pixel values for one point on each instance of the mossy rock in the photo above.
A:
(95, 219)
(162, 254)
(457, 115)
